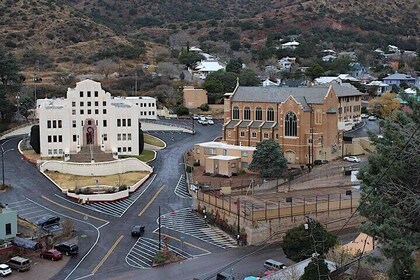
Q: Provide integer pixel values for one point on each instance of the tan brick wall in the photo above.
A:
(194, 97)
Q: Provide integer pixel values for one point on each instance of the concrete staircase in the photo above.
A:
(89, 153)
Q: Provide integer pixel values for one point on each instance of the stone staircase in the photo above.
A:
(89, 153)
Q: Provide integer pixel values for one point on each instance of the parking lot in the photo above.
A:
(188, 222)
(181, 188)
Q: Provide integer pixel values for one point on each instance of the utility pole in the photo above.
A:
(160, 246)
(239, 218)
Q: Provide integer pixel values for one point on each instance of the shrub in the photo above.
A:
(181, 110)
(204, 107)
(159, 257)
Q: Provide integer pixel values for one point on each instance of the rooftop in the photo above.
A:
(225, 146)
(224, 157)
(399, 76)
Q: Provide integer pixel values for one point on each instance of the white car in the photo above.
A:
(210, 121)
(204, 122)
(201, 120)
(352, 159)
(364, 116)
(195, 117)
(5, 270)
(209, 117)
(372, 118)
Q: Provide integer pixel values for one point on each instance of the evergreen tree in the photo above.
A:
(316, 271)
(35, 141)
(141, 141)
(268, 159)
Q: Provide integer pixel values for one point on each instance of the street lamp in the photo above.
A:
(2, 159)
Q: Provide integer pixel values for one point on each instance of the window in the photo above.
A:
(82, 104)
(235, 113)
(103, 103)
(73, 112)
(96, 111)
(54, 124)
(119, 149)
(96, 103)
(60, 123)
(254, 134)
(340, 110)
(318, 116)
(277, 136)
(104, 122)
(82, 123)
(88, 94)
(242, 134)
(124, 137)
(129, 122)
(118, 122)
(48, 124)
(105, 136)
(55, 138)
(244, 153)
(89, 122)
(89, 103)
(129, 149)
(8, 229)
(124, 122)
(124, 149)
(258, 114)
(247, 113)
(104, 111)
(244, 164)
(82, 112)
(73, 104)
(74, 123)
(209, 151)
(60, 138)
(89, 112)
(60, 151)
(224, 151)
(141, 104)
(290, 124)
(265, 135)
(119, 136)
(49, 139)
(96, 94)
(129, 136)
(270, 115)
(356, 98)
(81, 94)
(74, 138)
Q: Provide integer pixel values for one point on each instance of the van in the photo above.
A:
(272, 264)
(19, 263)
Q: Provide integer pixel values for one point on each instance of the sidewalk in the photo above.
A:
(19, 131)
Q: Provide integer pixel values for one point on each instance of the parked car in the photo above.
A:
(211, 122)
(204, 122)
(195, 117)
(67, 248)
(202, 119)
(320, 161)
(208, 117)
(272, 264)
(5, 270)
(52, 254)
(137, 231)
(48, 220)
(19, 263)
(352, 159)
(364, 116)
(372, 118)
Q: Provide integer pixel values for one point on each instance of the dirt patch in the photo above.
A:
(31, 155)
(69, 181)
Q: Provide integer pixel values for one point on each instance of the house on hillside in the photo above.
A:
(398, 78)
(379, 86)
(285, 63)
(327, 80)
(356, 69)
(269, 83)
(351, 55)
(329, 57)
(290, 45)
(205, 67)
(195, 49)
(393, 49)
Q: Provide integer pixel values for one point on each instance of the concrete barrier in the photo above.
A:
(105, 197)
(96, 169)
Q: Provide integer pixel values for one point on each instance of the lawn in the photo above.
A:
(146, 156)
(69, 181)
(151, 140)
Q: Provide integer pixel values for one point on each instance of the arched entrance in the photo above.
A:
(89, 133)
(290, 156)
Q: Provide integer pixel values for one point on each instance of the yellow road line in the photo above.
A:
(78, 212)
(151, 201)
(107, 255)
(189, 244)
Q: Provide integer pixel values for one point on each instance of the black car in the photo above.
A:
(48, 220)
(67, 248)
(137, 231)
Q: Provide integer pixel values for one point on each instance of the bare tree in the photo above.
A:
(68, 227)
(168, 69)
(180, 40)
(106, 67)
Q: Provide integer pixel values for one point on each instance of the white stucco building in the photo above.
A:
(89, 116)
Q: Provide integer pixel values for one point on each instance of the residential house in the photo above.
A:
(393, 49)
(302, 120)
(269, 83)
(327, 80)
(329, 57)
(205, 67)
(195, 49)
(356, 69)
(380, 87)
(194, 97)
(8, 223)
(351, 55)
(379, 52)
(285, 63)
(290, 45)
(398, 78)
(329, 52)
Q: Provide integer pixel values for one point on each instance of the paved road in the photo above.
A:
(363, 131)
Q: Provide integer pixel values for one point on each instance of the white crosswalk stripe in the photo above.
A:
(114, 208)
(181, 188)
(144, 250)
(187, 222)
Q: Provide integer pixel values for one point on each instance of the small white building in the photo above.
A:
(205, 67)
(380, 87)
(89, 116)
(269, 83)
(290, 45)
(328, 58)
(286, 63)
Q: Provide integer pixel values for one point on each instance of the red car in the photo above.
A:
(52, 254)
